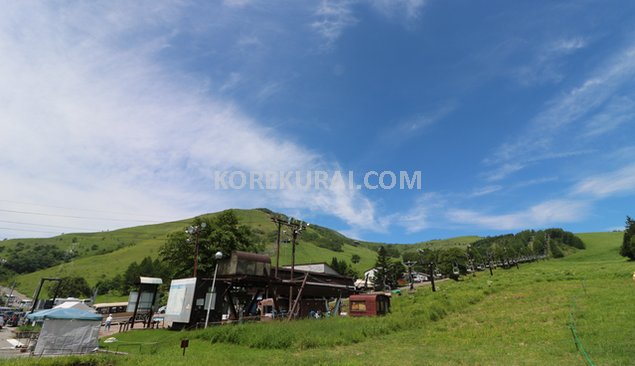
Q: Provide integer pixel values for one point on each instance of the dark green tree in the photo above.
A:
(355, 258)
(395, 272)
(382, 268)
(628, 244)
(341, 267)
(70, 287)
(222, 232)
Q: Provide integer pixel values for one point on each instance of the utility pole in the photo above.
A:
(296, 229)
(279, 222)
(195, 230)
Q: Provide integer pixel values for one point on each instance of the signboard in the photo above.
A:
(180, 300)
(210, 303)
(145, 303)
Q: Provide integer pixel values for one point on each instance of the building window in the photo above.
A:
(359, 306)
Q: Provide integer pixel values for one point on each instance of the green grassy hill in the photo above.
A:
(519, 316)
(104, 254)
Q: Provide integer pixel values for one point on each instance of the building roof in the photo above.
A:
(150, 280)
(315, 268)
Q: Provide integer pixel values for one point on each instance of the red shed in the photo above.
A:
(369, 305)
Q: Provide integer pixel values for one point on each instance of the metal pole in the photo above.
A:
(136, 306)
(57, 289)
(209, 306)
(278, 247)
(293, 238)
(434, 289)
(37, 295)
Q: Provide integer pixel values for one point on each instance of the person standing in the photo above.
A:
(108, 321)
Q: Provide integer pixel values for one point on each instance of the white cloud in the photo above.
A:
(237, 3)
(483, 191)
(333, 17)
(546, 63)
(233, 80)
(533, 182)
(423, 213)
(503, 171)
(91, 120)
(604, 185)
(402, 9)
(541, 215)
(619, 111)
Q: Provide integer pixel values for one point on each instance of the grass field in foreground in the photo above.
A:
(516, 317)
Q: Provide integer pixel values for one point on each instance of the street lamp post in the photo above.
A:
(212, 295)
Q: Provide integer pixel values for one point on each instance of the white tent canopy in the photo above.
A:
(75, 305)
(66, 331)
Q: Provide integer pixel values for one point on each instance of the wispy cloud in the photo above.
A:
(422, 215)
(402, 10)
(533, 182)
(483, 191)
(546, 66)
(502, 171)
(608, 184)
(233, 80)
(237, 3)
(619, 110)
(414, 126)
(576, 105)
(91, 120)
(333, 17)
(540, 215)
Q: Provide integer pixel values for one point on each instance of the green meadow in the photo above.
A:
(516, 317)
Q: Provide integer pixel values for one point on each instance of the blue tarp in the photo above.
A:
(64, 314)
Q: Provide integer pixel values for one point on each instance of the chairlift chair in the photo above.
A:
(455, 270)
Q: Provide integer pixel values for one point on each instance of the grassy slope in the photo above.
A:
(139, 242)
(517, 317)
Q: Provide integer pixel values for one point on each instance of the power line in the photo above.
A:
(77, 217)
(30, 231)
(85, 209)
(53, 226)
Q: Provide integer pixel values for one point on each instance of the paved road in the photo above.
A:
(7, 348)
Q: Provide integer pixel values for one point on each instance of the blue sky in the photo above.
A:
(519, 115)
